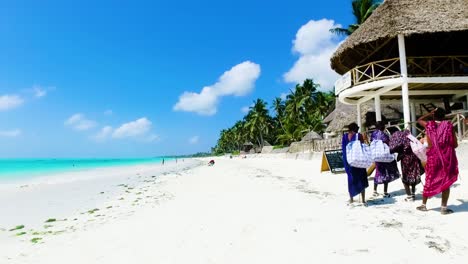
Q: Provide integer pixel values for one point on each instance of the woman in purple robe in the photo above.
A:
(386, 172)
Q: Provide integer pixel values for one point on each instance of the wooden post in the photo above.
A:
(413, 119)
(404, 76)
(378, 109)
(358, 121)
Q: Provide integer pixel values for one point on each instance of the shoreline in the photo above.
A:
(32, 201)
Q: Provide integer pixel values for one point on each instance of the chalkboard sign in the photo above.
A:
(332, 160)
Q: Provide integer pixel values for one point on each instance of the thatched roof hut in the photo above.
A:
(413, 19)
(343, 115)
(311, 136)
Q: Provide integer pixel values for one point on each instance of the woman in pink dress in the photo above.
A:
(442, 163)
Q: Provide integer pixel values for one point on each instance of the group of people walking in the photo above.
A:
(441, 168)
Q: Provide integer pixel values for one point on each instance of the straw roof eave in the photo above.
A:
(406, 17)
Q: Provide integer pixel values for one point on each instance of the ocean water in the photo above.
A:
(18, 169)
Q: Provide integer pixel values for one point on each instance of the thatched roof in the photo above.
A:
(407, 17)
(343, 115)
(347, 114)
(339, 107)
(312, 135)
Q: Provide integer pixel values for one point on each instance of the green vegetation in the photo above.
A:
(36, 240)
(48, 226)
(50, 220)
(362, 9)
(17, 228)
(302, 111)
(235, 152)
(20, 233)
(93, 211)
(279, 146)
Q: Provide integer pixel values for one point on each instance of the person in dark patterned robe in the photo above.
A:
(386, 172)
(411, 167)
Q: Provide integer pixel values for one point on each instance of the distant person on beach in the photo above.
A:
(211, 163)
(357, 177)
(411, 167)
(386, 172)
(442, 162)
(163, 162)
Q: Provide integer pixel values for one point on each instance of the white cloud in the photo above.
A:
(315, 45)
(104, 133)
(39, 91)
(238, 81)
(80, 123)
(10, 133)
(108, 112)
(194, 140)
(8, 102)
(137, 128)
(153, 138)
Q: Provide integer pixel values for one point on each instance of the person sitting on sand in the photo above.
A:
(211, 163)
(442, 162)
(357, 177)
(411, 167)
(386, 172)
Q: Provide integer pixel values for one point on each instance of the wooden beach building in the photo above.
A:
(411, 51)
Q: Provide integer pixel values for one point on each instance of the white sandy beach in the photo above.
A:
(256, 210)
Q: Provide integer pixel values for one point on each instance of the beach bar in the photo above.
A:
(414, 51)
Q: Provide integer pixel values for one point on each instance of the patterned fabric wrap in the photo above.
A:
(385, 171)
(418, 148)
(358, 154)
(442, 163)
(380, 152)
(411, 167)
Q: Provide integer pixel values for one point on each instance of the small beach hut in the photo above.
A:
(247, 146)
(414, 51)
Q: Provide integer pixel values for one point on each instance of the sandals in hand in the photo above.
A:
(422, 207)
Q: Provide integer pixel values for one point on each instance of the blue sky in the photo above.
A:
(147, 78)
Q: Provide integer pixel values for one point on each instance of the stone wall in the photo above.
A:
(315, 145)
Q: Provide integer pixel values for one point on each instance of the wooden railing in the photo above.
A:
(459, 121)
(417, 67)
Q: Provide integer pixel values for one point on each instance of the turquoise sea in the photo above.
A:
(17, 169)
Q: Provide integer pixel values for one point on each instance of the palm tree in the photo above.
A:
(258, 121)
(362, 9)
(280, 108)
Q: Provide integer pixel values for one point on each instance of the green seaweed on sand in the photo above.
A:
(59, 232)
(36, 240)
(37, 233)
(109, 207)
(48, 226)
(17, 227)
(20, 233)
(93, 211)
(121, 198)
(50, 220)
